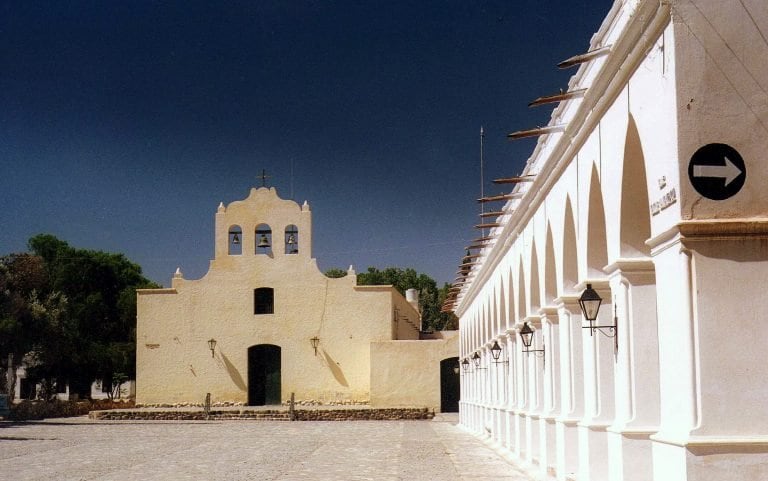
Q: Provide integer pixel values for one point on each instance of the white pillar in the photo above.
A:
(550, 406)
(599, 364)
(637, 370)
(571, 387)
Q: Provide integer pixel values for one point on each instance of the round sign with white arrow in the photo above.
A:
(717, 171)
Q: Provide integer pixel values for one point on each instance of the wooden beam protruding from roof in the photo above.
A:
(515, 180)
(477, 246)
(585, 57)
(549, 129)
(494, 198)
(549, 99)
(492, 214)
(484, 239)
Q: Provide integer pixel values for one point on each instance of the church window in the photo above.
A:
(235, 240)
(291, 239)
(264, 300)
(263, 239)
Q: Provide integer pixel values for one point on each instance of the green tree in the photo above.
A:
(335, 273)
(88, 314)
(430, 297)
(23, 282)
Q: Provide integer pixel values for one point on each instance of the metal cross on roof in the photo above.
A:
(263, 178)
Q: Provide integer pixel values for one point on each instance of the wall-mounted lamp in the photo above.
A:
(526, 334)
(315, 342)
(456, 368)
(212, 345)
(476, 360)
(465, 364)
(496, 353)
(590, 306)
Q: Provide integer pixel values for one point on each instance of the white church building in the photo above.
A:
(648, 190)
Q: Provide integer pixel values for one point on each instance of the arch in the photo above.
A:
(511, 308)
(495, 317)
(449, 385)
(235, 241)
(570, 251)
(635, 217)
(503, 319)
(264, 239)
(550, 276)
(264, 366)
(535, 302)
(522, 305)
(597, 245)
(291, 239)
(487, 323)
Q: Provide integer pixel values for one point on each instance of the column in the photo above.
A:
(550, 404)
(571, 387)
(599, 358)
(633, 286)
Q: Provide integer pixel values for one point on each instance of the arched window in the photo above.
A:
(235, 241)
(263, 239)
(264, 300)
(291, 239)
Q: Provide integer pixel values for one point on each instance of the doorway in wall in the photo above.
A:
(449, 385)
(263, 375)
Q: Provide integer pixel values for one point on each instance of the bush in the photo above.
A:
(29, 410)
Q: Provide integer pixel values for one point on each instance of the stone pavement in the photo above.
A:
(82, 449)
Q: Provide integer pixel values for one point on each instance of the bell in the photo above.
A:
(235, 238)
(263, 242)
(291, 239)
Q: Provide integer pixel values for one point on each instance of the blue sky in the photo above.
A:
(124, 124)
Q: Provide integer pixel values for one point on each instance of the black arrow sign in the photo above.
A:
(717, 171)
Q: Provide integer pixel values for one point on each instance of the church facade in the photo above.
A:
(647, 191)
(265, 322)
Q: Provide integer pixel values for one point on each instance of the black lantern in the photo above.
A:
(476, 359)
(315, 341)
(590, 303)
(526, 334)
(496, 353)
(212, 346)
(495, 350)
(465, 364)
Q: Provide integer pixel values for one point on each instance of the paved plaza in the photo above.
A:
(83, 449)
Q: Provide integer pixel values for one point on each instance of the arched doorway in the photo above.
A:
(263, 375)
(449, 385)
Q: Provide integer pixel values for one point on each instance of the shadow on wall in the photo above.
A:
(234, 374)
(335, 369)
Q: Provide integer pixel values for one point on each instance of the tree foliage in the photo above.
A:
(430, 296)
(335, 273)
(71, 312)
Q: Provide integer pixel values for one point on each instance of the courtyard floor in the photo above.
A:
(83, 449)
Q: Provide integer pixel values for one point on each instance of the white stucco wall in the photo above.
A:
(407, 373)
(612, 204)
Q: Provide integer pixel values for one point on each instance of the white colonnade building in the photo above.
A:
(649, 185)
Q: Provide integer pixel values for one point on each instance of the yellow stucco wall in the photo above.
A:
(173, 362)
(407, 373)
